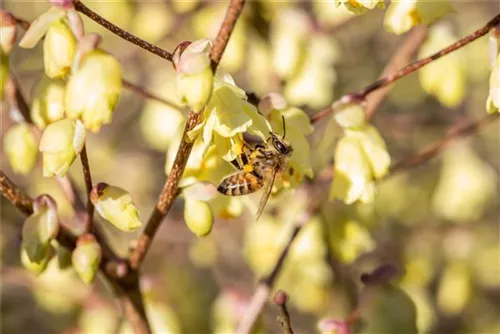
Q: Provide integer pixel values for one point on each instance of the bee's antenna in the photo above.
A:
(284, 128)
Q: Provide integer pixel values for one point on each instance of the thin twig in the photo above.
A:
(280, 299)
(14, 194)
(410, 68)
(232, 14)
(87, 177)
(264, 287)
(169, 192)
(434, 149)
(124, 281)
(16, 98)
(79, 6)
(402, 56)
(141, 91)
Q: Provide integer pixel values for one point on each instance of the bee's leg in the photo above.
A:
(236, 164)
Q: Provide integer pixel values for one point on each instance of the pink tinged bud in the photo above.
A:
(62, 4)
(116, 206)
(334, 326)
(21, 148)
(280, 298)
(8, 31)
(61, 142)
(194, 74)
(87, 257)
(40, 228)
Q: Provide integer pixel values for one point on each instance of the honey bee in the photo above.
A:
(258, 168)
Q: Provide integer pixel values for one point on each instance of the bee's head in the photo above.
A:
(279, 143)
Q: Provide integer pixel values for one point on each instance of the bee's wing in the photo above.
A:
(267, 192)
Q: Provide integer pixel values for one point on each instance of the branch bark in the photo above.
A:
(410, 68)
(79, 6)
(169, 192)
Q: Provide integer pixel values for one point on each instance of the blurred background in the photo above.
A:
(438, 221)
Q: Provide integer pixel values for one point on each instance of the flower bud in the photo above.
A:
(61, 142)
(86, 257)
(8, 31)
(47, 104)
(21, 148)
(194, 74)
(36, 267)
(198, 216)
(493, 102)
(94, 89)
(116, 206)
(59, 48)
(349, 115)
(40, 228)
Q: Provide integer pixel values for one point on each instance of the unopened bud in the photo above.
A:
(40, 228)
(47, 104)
(198, 216)
(61, 142)
(116, 206)
(87, 257)
(194, 74)
(36, 267)
(59, 49)
(21, 148)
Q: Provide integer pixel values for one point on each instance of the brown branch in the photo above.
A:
(123, 280)
(232, 14)
(169, 192)
(14, 194)
(265, 285)
(16, 98)
(87, 177)
(402, 56)
(141, 91)
(79, 6)
(410, 68)
(280, 299)
(434, 149)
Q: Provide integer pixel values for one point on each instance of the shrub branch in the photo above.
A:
(79, 6)
(170, 188)
(410, 68)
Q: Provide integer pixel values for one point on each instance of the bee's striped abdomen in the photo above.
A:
(240, 184)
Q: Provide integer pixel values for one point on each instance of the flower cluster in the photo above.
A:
(79, 89)
(361, 156)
